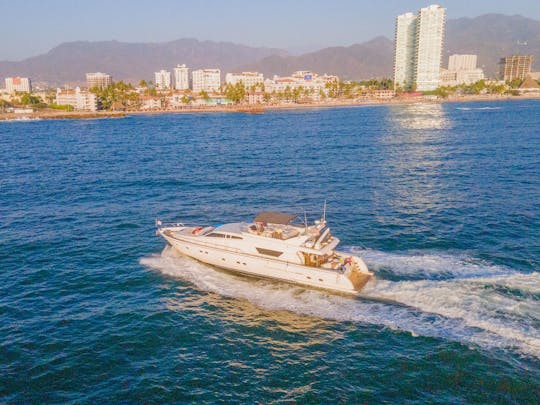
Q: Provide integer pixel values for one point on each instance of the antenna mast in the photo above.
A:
(324, 212)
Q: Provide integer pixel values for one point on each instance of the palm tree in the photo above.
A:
(204, 95)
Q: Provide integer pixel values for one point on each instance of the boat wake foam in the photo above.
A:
(429, 265)
(478, 108)
(481, 305)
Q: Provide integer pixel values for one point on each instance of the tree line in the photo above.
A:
(124, 96)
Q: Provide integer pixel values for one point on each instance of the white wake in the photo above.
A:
(477, 303)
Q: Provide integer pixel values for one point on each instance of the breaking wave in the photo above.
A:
(475, 304)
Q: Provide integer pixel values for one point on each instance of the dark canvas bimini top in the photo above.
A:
(274, 218)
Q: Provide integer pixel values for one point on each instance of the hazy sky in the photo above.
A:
(32, 27)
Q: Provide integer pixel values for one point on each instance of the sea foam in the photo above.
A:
(484, 305)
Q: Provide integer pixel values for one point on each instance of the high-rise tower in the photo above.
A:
(429, 44)
(405, 43)
(418, 48)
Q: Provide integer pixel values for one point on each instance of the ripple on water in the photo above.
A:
(445, 197)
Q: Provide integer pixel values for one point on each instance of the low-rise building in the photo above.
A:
(178, 100)
(25, 110)
(213, 100)
(255, 97)
(448, 77)
(382, 94)
(21, 84)
(279, 84)
(150, 103)
(80, 100)
(457, 77)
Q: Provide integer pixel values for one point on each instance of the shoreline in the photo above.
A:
(252, 109)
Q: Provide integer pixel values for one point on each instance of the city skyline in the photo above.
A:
(298, 27)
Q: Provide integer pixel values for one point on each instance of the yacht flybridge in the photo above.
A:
(272, 246)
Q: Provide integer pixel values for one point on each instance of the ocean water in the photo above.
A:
(441, 200)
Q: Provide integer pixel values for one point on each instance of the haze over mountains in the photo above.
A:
(493, 36)
(68, 62)
(490, 36)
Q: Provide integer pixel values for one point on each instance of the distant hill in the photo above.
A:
(490, 36)
(493, 36)
(360, 61)
(69, 62)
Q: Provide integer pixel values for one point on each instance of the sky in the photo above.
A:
(32, 27)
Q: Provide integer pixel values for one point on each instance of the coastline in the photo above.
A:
(252, 109)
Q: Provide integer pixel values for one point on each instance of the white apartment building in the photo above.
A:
(79, 99)
(429, 45)
(462, 62)
(181, 77)
(307, 80)
(22, 84)
(162, 79)
(419, 43)
(249, 79)
(456, 77)
(208, 80)
(461, 70)
(405, 45)
(98, 79)
(279, 83)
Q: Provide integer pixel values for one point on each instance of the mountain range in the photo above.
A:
(490, 36)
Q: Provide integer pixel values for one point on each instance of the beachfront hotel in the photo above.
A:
(79, 99)
(418, 48)
(98, 79)
(302, 79)
(162, 79)
(461, 70)
(515, 67)
(22, 84)
(208, 80)
(181, 77)
(249, 79)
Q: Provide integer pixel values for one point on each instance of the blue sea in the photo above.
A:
(441, 200)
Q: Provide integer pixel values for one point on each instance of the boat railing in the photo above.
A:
(160, 224)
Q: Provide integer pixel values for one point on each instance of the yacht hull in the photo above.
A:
(235, 260)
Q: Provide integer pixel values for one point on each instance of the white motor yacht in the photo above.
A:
(272, 246)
